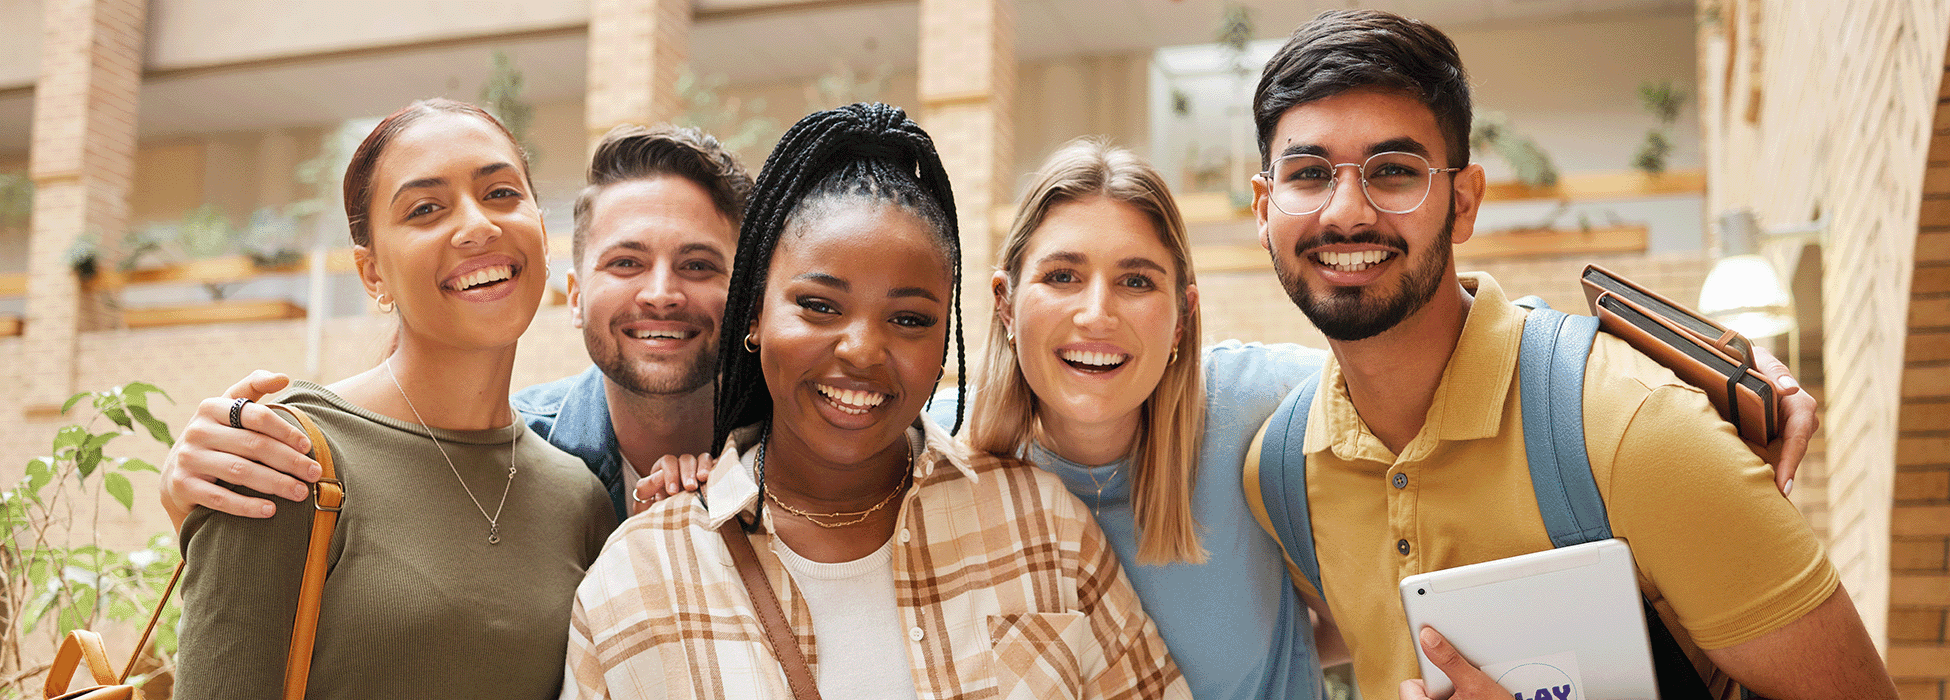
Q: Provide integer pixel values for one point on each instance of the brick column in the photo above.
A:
(636, 50)
(83, 164)
(1919, 542)
(967, 87)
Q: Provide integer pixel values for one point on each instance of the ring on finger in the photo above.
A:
(637, 498)
(237, 413)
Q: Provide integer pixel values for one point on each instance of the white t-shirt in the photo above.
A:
(862, 651)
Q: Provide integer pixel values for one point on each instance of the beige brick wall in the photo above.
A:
(636, 50)
(1919, 547)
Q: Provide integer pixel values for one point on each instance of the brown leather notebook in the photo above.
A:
(1703, 353)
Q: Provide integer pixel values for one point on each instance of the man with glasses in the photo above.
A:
(1414, 448)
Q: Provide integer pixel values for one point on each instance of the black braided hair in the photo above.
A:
(870, 151)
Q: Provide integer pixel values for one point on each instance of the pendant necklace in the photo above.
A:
(494, 521)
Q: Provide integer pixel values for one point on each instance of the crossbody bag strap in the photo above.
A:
(328, 496)
(771, 617)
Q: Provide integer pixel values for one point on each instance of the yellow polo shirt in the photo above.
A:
(1722, 555)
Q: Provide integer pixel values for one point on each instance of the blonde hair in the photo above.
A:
(1165, 458)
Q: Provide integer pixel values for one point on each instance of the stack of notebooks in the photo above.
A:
(1703, 353)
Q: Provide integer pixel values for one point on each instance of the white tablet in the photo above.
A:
(1561, 624)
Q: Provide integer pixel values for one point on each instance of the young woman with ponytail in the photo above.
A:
(906, 565)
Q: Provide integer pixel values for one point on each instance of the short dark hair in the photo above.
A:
(364, 166)
(631, 152)
(1342, 50)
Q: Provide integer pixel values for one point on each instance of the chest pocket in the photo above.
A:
(1042, 655)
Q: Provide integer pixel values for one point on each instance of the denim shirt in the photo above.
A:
(572, 413)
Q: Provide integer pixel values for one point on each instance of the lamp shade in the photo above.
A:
(1744, 292)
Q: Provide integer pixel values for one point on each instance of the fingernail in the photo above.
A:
(304, 444)
(316, 471)
(1787, 382)
(1429, 637)
(300, 493)
(267, 510)
(1788, 489)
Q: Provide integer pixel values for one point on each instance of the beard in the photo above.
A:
(674, 375)
(1358, 313)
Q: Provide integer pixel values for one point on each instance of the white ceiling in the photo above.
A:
(749, 48)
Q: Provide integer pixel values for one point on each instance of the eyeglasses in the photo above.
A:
(1394, 182)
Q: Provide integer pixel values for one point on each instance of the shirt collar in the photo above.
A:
(732, 491)
(1468, 404)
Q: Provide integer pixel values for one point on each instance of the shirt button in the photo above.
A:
(915, 634)
(906, 536)
(1401, 546)
(1401, 480)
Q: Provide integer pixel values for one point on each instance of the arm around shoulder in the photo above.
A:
(240, 591)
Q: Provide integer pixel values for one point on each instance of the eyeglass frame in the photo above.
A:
(1333, 183)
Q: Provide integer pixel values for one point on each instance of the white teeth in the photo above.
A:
(1352, 262)
(484, 276)
(851, 400)
(659, 334)
(1094, 359)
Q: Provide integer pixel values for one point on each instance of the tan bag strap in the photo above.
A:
(771, 617)
(328, 496)
(81, 646)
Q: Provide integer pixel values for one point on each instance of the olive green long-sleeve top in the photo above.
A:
(417, 603)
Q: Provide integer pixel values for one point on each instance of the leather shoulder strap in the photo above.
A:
(1550, 367)
(1280, 471)
(771, 617)
(328, 496)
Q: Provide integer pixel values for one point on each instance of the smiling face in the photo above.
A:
(853, 328)
(1095, 313)
(457, 241)
(1354, 270)
(651, 289)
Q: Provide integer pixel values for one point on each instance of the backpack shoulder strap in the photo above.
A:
(1276, 481)
(1550, 366)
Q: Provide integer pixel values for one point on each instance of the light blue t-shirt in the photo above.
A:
(1235, 624)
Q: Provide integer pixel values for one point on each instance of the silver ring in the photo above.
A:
(637, 498)
(237, 413)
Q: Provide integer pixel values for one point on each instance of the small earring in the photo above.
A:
(749, 345)
(385, 304)
(1011, 335)
(1174, 356)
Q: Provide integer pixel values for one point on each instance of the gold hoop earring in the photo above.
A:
(749, 345)
(1174, 356)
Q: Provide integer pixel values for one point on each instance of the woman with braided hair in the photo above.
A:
(903, 564)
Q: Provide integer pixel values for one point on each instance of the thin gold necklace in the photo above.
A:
(857, 516)
(494, 521)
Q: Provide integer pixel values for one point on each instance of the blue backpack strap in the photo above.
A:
(1551, 369)
(1283, 478)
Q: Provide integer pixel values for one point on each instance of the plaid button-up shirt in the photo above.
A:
(1003, 582)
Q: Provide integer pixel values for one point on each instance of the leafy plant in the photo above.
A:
(1532, 164)
(738, 124)
(49, 584)
(501, 97)
(1663, 101)
(16, 199)
(843, 85)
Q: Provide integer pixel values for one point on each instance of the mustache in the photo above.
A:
(1361, 237)
(704, 323)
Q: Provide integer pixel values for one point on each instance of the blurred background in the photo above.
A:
(169, 214)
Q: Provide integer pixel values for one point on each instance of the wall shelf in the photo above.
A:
(216, 312)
